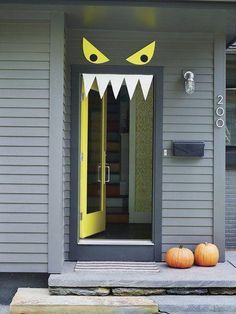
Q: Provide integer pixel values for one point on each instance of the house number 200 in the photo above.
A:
(220, 100)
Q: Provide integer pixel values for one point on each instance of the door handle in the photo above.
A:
(99, 168)
(108, 168)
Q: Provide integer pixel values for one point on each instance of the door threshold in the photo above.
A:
(114, 242)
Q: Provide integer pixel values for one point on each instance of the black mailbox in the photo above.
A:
(188, 149)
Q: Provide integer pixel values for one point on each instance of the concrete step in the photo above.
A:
(196, 304)
(221, 276)
(38, 301)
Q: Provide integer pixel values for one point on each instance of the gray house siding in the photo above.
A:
(230, 211)
(24, 136)
(66, 155)
(187, 208)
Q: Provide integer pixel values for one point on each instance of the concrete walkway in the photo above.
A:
(4, 309)
(196, 304)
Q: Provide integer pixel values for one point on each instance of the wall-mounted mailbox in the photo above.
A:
(188, 148)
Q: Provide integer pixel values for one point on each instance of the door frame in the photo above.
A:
(124, 250)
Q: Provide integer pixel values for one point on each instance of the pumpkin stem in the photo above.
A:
(181, 246)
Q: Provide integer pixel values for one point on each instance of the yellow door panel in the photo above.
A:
(92, 168)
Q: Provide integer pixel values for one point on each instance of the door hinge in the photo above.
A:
(81, 157)
(81, 216)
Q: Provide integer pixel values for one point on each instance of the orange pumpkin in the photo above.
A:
(179, 257)
(206, 254)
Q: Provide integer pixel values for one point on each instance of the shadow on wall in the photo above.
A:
(10, 282)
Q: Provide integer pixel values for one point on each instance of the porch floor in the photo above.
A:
(222, 275)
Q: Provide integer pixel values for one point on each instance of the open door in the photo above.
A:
(93, 164)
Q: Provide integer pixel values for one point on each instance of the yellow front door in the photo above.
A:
(92, 164)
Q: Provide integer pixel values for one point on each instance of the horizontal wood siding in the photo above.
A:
(24, 123)
(187, 207)
(230, 209)
(67, 120)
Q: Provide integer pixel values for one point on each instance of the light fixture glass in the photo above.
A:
(189, 82)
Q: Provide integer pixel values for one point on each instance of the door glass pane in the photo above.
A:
(94, 152)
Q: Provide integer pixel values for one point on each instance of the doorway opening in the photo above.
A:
(116, 167)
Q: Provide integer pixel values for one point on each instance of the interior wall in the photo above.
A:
(141, 145)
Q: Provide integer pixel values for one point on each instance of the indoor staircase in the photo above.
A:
(116, 197)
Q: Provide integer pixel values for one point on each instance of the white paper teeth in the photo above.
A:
(145, 82)
(131, 83)
(116, 81)
(88, 80)
(102, 81)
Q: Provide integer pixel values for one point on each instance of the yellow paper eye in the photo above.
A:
(143, 56)
(92, 54)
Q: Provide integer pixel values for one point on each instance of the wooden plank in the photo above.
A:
(36, 47)
(185, 103)
(183, 239)
(188, 120)
(23, 113)
(23, 267)
(173, 204)
(55, 247)
(169, 169)
(23, 228)
(197, 95)
(36, 170)
(15, 237)
(24, 74)
(23, 248)
(24, 93)
(25, 141)
(24, 83)
(33, 132)
(188, 213)
(173, 111)
(24, 122)
(24, 151)
(24, 179)
(186, 178)
(24, 56)
(18, 258)
(24, 198)
(24, 103)
(188, 136)
(23, 189)
(187, 231)
(24, 65)
(189, 162)
(185, 196)
(188, 222)
(23, 208)
(24, 161)
(176, 86)
(194, 187)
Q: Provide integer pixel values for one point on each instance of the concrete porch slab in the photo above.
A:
(38, 300)
(222, 275)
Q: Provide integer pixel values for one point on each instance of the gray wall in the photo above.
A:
(187, 183)
(230, 209)
(24, 131)
(66, 148)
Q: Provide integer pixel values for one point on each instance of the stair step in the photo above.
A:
(113, 146)
(117, 202)
(192, 304)
(36, 300)
(117, 210)
(112, 190)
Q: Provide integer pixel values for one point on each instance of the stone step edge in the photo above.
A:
(38, 300)
(123, 291)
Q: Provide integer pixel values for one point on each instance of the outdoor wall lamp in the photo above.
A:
(189, 82)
